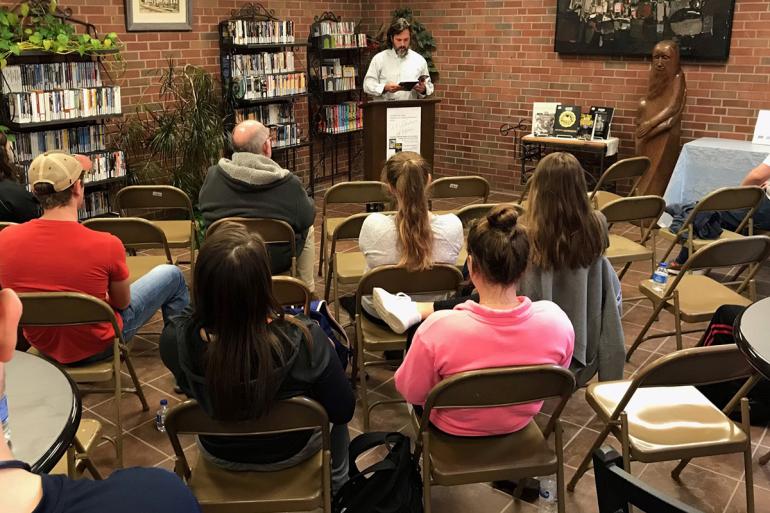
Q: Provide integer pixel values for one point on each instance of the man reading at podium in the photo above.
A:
(398, 73)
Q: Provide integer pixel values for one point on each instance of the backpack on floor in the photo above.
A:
(392, 485)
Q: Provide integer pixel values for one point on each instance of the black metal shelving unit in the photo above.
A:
(330, 147)
(231, 89)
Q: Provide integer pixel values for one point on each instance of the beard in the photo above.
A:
(401, 52)
(659, 82)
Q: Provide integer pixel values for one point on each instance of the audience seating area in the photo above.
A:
(572, 427)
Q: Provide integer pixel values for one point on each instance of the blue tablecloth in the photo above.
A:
(707, 164)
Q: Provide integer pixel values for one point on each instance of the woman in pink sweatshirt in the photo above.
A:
(502, 329)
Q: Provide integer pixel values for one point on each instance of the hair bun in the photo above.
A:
(503, 218)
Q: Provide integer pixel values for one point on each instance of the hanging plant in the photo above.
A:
(422, 39)
(40, 25)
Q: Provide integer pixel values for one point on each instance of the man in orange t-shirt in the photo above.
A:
(55, 253)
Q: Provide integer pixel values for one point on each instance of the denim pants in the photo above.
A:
(162, 288)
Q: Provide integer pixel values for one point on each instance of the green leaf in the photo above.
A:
(52, 7)
(107, 43)
(112, 35)
(36, 38)
(47, 44)
(3, 18)
(15, 49)
(63, 39)
(24, 9)
(96, 44)
(12, 18)
(28, 31)
(4, 44)
(85, 38)
(3, 63)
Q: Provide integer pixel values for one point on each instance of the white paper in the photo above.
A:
(762, 128)
(542, 117)
(403, 133)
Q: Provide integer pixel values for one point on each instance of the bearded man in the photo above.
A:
(397, 65)
(659, 118)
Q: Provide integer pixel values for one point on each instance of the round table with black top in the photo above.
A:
(43, 410)
(752, 335)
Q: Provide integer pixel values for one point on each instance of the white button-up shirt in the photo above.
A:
(387, 66)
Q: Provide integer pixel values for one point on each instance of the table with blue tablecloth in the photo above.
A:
(707, 164)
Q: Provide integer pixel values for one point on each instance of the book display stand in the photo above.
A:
(335, 78)
(262, 76)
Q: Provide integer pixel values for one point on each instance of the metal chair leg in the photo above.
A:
(583, 467)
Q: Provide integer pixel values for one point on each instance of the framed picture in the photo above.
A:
(154, 15)
(633, 27)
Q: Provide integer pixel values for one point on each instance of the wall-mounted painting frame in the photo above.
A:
(158, 15)
(702, 28)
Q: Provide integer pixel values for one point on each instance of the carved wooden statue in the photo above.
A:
(659, 118)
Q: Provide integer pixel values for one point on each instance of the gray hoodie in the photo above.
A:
(251, 185)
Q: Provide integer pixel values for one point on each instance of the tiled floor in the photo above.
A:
(711, 484)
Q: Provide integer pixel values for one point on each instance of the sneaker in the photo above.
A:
(397, 310)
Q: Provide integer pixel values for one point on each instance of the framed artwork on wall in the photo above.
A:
(154, 15)
(632, 27)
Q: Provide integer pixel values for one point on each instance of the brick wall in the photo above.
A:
(496, 57)
(146, 53)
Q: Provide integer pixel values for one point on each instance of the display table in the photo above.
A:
(533, 148)
(44, 410)
(708, 164)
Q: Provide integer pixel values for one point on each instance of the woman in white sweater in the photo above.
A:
(414, 237)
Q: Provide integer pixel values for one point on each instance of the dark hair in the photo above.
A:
(563, 229)
(8, 170)
(49, 198)
(500, 248)
(234, 303)
(407, 173)
(399, 25)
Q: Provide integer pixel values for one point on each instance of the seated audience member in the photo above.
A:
(720, 331)
(146, 490)
(501, 329)
(251, 184)
(235, 351)
(17, 204)
(731, 219)
(414, 237)
(567, 266)
(56, 253)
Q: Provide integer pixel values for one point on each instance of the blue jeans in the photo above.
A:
(162, 288)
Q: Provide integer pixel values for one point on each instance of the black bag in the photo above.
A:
(392, 485)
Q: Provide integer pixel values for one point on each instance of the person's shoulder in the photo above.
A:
(448, 222)
(378, 220)
(97, 237)
(551, 311)
(416, 56)
(442, 320)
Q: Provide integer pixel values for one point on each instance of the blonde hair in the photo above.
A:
(407, 173)
(564, 231)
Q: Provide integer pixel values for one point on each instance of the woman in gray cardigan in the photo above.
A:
(566, 265)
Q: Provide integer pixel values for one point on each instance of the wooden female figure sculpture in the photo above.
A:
(659, 118)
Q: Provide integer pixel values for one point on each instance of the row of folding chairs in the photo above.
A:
(639, 412)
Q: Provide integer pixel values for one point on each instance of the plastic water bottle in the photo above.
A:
(4, 407)
(660, 277)
(548, 499)
(160, 417)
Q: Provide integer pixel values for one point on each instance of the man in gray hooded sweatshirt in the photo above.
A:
(251, 184)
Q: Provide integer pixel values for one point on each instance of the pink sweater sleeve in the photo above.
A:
(417, 375)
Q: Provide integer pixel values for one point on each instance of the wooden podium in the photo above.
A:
(376, 132)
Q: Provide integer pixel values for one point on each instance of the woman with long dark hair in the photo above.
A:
(235, 351)
(17, 204)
